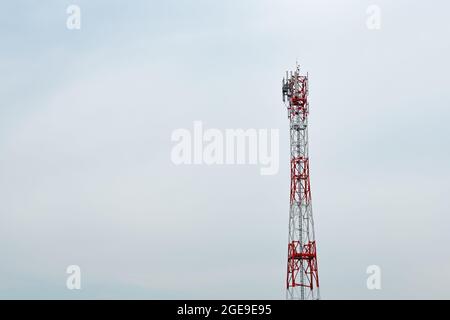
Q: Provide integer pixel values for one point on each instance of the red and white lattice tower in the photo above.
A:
(302, 280)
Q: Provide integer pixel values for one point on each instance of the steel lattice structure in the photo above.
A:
(302, 280)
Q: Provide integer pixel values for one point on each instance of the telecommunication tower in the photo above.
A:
(302, 279)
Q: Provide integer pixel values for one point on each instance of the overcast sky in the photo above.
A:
(86, 118)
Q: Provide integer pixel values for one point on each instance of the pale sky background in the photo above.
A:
(86, 118)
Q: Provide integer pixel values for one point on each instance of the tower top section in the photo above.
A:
(294, 90)
(294, 85)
